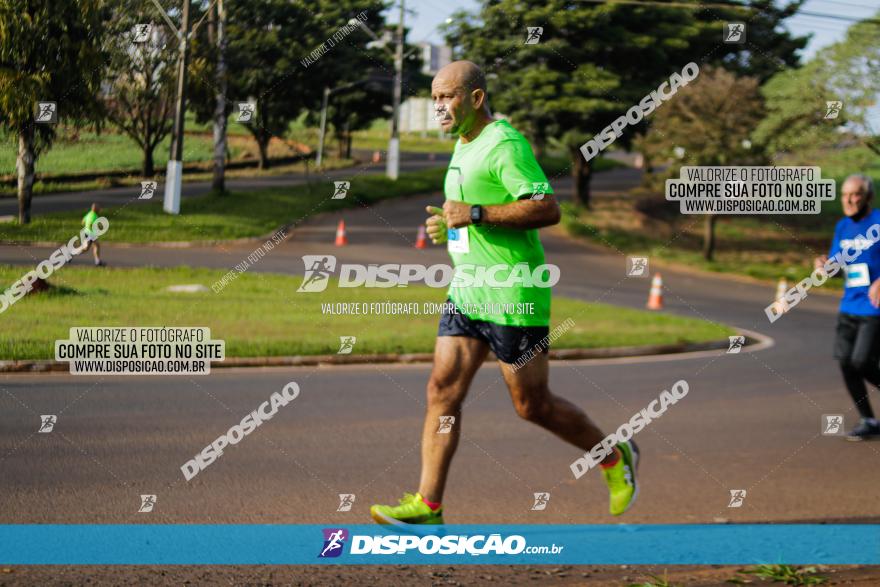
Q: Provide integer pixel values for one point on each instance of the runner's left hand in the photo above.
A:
(436, 225)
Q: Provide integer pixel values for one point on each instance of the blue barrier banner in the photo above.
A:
(183, 544)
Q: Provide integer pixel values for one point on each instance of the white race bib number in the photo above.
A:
(857, 275)
(457, 240)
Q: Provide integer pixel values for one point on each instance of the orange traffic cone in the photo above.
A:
(780, 306)
(655, 298)
(422, 239)
(341, 239)
(377, 156)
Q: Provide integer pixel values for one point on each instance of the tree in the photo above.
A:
(208, 77)
(798, 119)
(795, 120)
(140, 77)
(356, 61)
(49, 52)
(593, 62)
(369, 97)
(356, 109)
(268, 43)
(711, 119)
(857, 57)
(217, 35)
(265, 41)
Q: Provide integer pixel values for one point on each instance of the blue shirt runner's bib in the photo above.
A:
(864, 269)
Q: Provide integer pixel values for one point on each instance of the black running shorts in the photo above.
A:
(509, 343)
(858, 340)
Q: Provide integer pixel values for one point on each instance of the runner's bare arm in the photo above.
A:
(819, 263)
(523, 214)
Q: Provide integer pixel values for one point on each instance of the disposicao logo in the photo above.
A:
(334, 540)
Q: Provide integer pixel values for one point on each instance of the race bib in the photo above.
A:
(457, 240)
(857, 275)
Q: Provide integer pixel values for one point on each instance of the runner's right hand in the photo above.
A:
(436, 225)
(819, 262)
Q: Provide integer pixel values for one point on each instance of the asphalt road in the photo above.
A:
(751, 421)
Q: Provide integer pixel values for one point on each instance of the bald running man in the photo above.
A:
(497, 197)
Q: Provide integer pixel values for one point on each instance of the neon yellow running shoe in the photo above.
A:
(411, 511)
(621, 478)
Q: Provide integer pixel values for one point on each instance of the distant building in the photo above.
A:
(417, 115)
(434, 57)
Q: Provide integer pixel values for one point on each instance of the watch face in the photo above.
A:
(476, 214)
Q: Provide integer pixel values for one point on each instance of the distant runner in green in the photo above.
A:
(87, 222)
(497, 197)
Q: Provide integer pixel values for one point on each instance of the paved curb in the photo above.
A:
(42, 366)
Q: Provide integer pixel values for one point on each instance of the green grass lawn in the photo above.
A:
(262, 315)
(206, 174)
(91, 153)
(221, 217)
(767, 247)
(413, 142)
(87, 152)
(745, 247)
(84, 151)
(237, 215)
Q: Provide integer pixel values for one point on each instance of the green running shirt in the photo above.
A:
(497, 168)
(89, 219)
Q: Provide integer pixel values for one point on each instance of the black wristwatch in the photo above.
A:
(476, 214)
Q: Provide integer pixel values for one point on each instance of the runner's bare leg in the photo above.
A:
(456, 361)
(534, 402)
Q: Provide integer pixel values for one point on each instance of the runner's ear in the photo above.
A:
(478, 97)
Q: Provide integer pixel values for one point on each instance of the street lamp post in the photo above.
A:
(320, 156)
(174, 172)
(392, 169)
(220, 121)
(393, 163)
